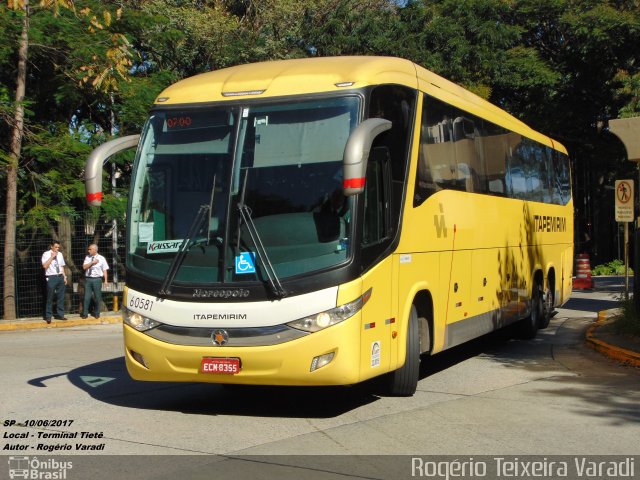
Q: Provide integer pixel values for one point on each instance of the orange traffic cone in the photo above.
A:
(583, 272)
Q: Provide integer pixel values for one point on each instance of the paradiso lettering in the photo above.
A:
(547, 223)
(221, 293)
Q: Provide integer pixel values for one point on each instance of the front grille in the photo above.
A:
(238, 337)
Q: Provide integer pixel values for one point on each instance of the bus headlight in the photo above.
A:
(322, 320)
(137, 321)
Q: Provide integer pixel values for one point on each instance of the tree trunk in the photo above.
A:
(9, 294)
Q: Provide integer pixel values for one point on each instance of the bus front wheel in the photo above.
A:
(403, 382)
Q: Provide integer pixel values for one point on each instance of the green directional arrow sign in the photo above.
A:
(95, 381)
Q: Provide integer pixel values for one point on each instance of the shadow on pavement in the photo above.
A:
(590, 304)
(109, 382)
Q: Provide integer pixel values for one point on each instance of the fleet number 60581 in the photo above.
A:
(141, 303)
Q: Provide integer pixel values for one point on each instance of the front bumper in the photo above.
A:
(286, 363)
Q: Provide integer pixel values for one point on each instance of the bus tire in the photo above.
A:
(548, 301)
(403, 382)
(529, 326)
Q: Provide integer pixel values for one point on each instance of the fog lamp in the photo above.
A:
(321, 361)
(138, 358)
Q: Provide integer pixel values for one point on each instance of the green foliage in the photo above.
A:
(114, 207)
(76, 63)
(614, 267)
(51, 183)
(581, 47)
(188, 37)
(135, 98)
(357, 27)
(466, 41)
(629, 94)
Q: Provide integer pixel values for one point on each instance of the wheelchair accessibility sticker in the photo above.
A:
(245, 263)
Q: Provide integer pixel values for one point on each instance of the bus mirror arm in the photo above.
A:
(356, 153)
(93, 166)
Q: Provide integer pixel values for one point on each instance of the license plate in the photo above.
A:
(224, 365)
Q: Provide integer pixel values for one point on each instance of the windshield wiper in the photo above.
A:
(187, 243)
(272, 277)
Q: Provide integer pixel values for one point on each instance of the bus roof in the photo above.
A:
(334, 74)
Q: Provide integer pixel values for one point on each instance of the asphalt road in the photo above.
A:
(494, 396)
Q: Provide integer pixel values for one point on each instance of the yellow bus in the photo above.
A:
(324, 221)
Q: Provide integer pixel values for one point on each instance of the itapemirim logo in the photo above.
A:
(33, 468)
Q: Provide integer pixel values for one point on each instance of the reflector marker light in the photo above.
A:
(389, 321)
(367, 296)
(368, 326)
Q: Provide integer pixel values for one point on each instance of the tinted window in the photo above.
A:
(460, 151)
(450, 154)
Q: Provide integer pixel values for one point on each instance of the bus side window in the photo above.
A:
(435, 155)
(465, 148)
(396, 104)
(450, 153)
(546, 174)
(516, 174)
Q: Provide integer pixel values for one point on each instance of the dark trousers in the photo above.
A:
(55, 288)
(92, 286)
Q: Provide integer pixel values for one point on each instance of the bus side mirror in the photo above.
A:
(356, 153)
(93, 166)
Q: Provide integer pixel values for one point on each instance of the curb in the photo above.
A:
(40, 324)
(619, 354)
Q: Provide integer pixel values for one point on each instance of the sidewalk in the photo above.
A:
(72, 321)
(602, 337)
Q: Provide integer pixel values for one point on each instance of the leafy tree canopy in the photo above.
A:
(95, 66)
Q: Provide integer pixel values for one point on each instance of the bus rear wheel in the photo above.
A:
(403, 382)
(548, 302)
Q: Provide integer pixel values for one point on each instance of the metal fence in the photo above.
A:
(74, 235)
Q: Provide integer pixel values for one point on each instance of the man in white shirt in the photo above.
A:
(53, 264)
(95, 270)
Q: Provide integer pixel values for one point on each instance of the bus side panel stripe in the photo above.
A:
(462, 331)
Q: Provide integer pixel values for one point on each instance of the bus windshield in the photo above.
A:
(224, 184)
